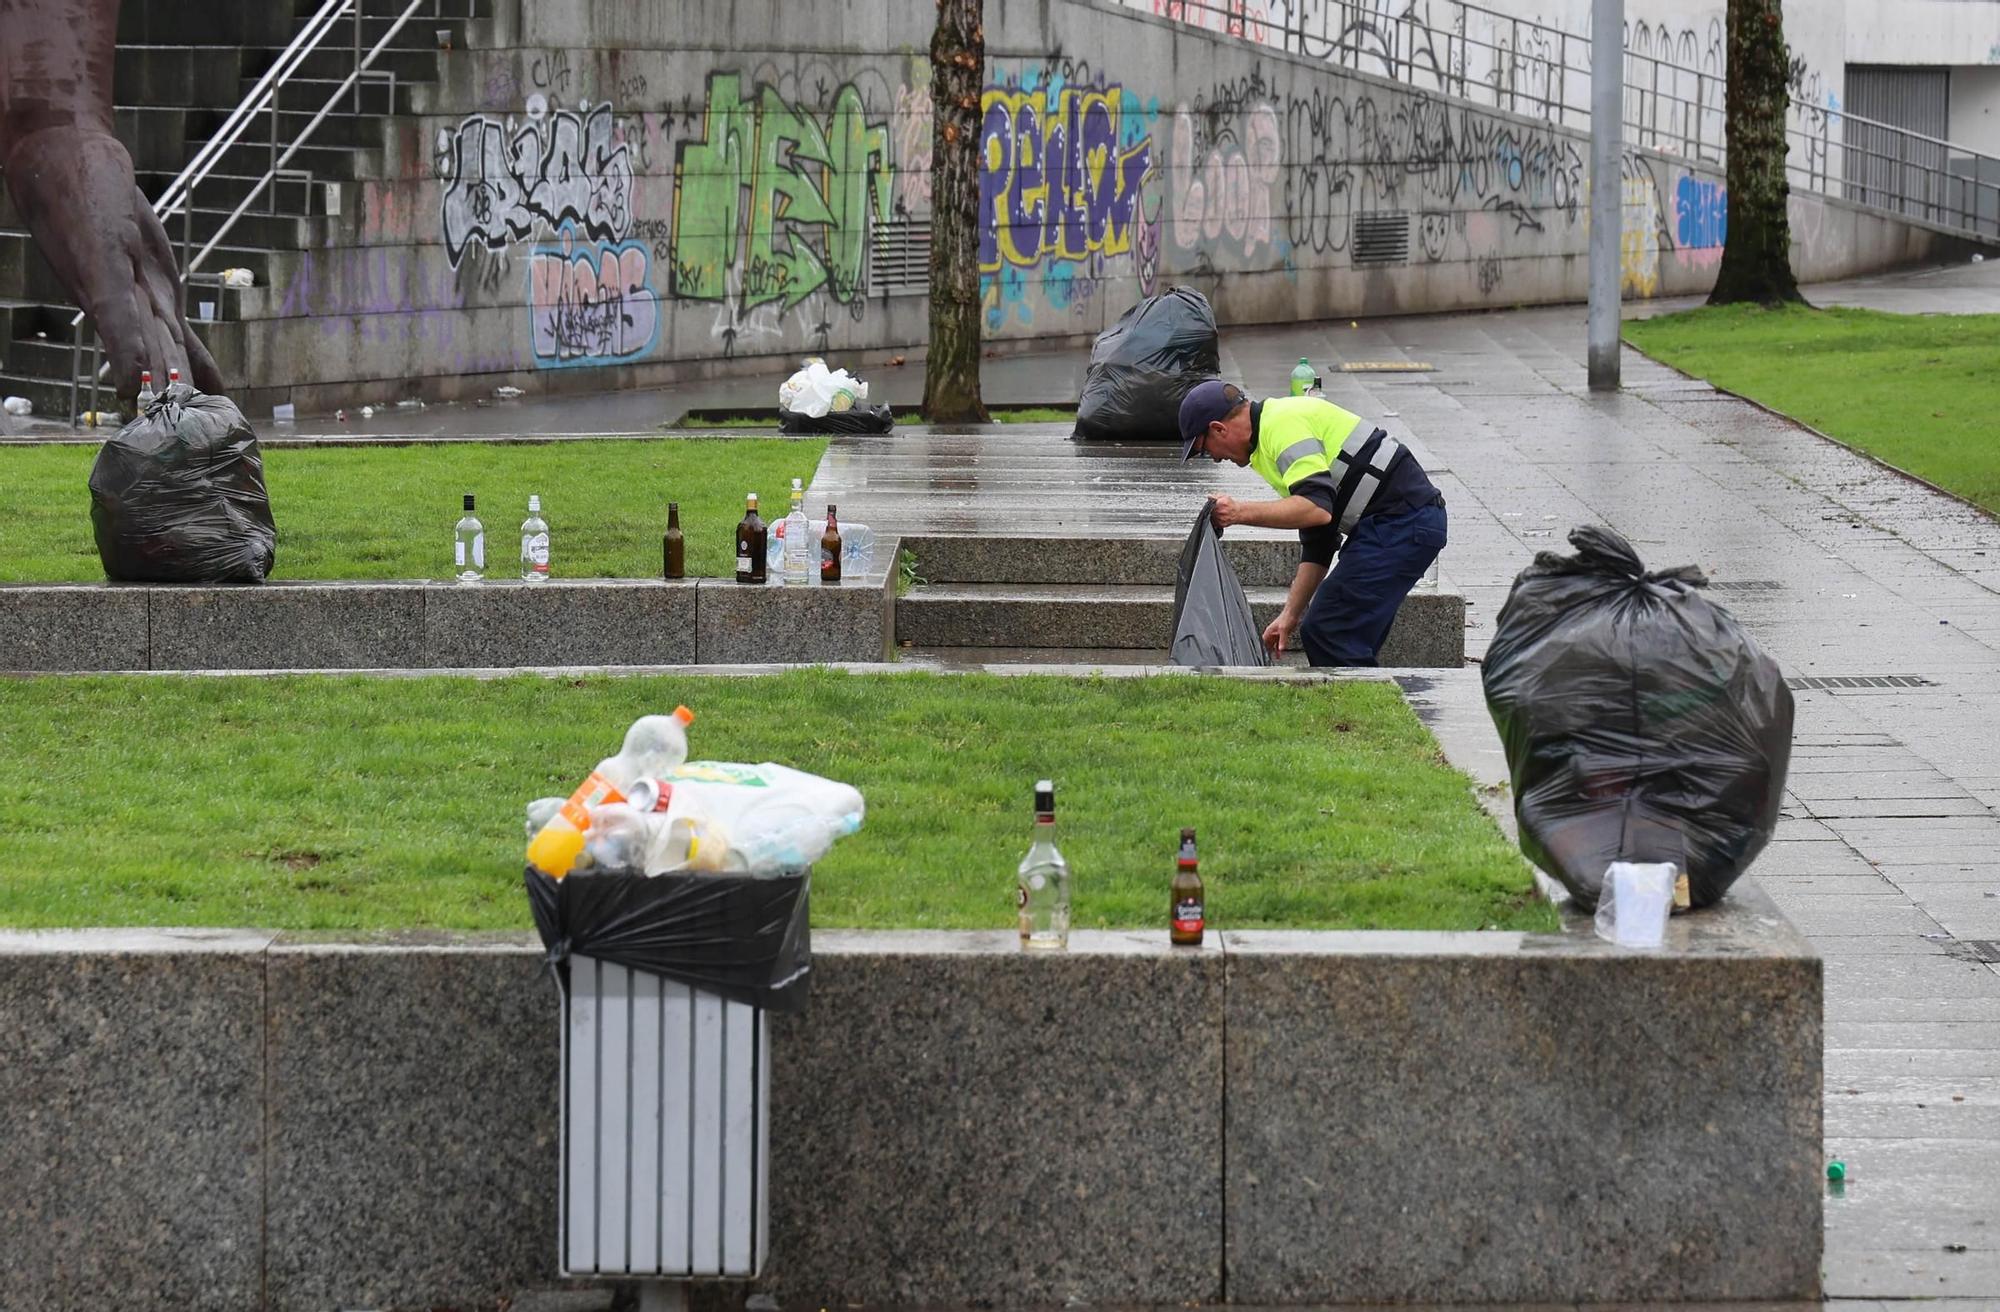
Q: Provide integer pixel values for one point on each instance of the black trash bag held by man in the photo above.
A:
(178, 496)
(1213, 623)
(1141, 367)
(1641, 723)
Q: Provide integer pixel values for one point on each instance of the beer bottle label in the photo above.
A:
(1187, 915)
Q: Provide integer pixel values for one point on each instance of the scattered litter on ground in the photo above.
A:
(238, 278)
(18, 405)
(410, 403)
(284, 414)
(1836, 1170)
(367, 412)
(508, 393)
(1954, 1248)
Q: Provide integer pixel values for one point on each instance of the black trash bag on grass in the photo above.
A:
(1640, 721)
(1143, 365)
(861, 419)
(178, 496)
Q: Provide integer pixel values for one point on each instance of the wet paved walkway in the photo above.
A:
(1888, 857)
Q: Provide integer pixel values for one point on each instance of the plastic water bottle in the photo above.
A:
(468, 545)
(654, 745)
(798, 544)
(1303, 377)
(534, 544)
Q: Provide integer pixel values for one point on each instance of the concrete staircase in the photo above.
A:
(183, 65)
(985, 600)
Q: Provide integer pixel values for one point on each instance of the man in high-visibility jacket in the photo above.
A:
(1340, 477)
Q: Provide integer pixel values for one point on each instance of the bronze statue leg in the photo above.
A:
(72, 181)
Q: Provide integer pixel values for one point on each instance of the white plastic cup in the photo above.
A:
(1633, 906)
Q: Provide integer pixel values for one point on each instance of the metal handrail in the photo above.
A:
(178, 197)
(351, 82)
(1538, 81)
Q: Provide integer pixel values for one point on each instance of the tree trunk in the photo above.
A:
(958, 67)
(1757, 248)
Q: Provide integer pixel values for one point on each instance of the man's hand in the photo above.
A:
(1277, 631)
(1229, 511)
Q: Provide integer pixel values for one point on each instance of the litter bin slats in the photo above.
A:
(665, 1093)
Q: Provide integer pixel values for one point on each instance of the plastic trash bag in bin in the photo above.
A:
(178, 496)
(1213, 623)
(1641, 723)
(1143, 365)
(744, 938)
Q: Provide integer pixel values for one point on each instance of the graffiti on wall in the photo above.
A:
(771, 203)
(1059, 175)
(591, 303)
(507, 182)
(1638, 234)
(1224, 169)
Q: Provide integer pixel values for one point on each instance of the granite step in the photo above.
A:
(1060, 618)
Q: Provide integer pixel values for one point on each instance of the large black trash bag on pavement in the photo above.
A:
(178, 496)
(1141, 367)
(1213, 624)
(1641, 723)
(746, 938)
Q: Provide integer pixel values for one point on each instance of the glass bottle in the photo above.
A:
(469, 546)
(534, 544)
(752, 541)
(1188, 909)
(798, 554)
(829, 546)
(1042, 895)
(673, 548)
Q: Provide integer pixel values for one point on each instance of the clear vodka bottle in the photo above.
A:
(1043, 893)
(469, 547)
(534, 544)
(799, 552)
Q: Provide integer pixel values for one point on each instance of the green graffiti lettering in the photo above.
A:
(771, 204)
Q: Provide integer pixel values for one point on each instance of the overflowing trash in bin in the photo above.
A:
(1641, 723)
(816, 399)
(178, 495)
(692, 870)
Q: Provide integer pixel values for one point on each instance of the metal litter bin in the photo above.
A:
(665, 1125)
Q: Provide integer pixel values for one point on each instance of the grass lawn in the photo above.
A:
(387, 512)
(348, 802)
(1918, 391)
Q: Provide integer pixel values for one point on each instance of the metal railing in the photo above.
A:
(1467, 51)
(262, 102)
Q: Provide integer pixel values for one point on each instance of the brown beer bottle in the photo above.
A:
(673, 547)
(752, 560)
(1188, 909)
(829, 548)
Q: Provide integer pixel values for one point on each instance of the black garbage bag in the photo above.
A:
(861, 419)
(1141, 367)
(1641, 723)
(742, 937)
(1212, 620)
(178, 496)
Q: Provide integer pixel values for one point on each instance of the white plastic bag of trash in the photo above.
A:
(18, 406)
(238, 278)
(722, 817)
(1632, 910)
(815, 390)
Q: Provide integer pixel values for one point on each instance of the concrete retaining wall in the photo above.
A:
(421, 625)
(207, 1120)
(1123, 153)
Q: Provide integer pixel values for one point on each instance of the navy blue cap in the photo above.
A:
(1205, 403)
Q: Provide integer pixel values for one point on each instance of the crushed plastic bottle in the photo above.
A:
(654, 745)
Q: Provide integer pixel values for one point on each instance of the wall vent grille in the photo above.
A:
(1382, 238)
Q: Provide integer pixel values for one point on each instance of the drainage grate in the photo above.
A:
(1745, 585)
(1382, 238)
(1812, 681)
(899, 256)
(1986, 949)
